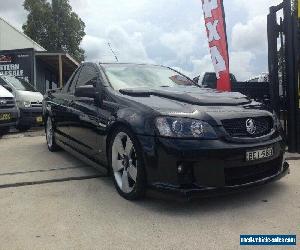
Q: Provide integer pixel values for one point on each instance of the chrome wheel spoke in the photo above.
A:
(117, 165)
(125, 182)
(132, 171)
(120, 145)
(123, 162)
(128, 147)
(49, 133)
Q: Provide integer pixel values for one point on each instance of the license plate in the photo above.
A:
(259, 154)
(5, 117)
(39, 119)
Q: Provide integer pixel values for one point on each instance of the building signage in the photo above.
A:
(17, 63)
(216, 32)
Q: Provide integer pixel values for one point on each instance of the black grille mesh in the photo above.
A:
(6, 102)
(247, 174)
(237, 127)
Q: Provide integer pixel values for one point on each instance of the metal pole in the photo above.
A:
(60, 71)
(292, 90)
(295, 16)
(273, 60)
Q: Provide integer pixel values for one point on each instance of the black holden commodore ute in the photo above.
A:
(153, 128)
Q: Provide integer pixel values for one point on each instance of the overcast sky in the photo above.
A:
(168, 32)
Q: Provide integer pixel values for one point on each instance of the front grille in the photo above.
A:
(31, 113)
(7, 103)
(242, 175)
(238, 128)
(36, 104)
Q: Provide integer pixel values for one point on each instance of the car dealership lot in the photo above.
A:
(53, 201)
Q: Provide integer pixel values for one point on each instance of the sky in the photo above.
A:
(167, 32)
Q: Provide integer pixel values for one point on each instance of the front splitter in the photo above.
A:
(170, 192)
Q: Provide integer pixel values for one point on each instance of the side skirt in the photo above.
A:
(81, 157)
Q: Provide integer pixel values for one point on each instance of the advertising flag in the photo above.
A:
(214, 17)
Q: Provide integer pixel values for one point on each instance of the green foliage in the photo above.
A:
(55, 26)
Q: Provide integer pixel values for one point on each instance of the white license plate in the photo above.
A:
(259, 154)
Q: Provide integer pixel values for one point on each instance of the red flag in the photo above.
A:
(214, 17)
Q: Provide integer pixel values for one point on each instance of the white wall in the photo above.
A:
(11, 38)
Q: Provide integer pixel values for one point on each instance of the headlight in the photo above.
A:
(23, 104)
(26, 104)
(184, 128)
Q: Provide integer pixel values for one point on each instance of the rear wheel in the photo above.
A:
(4, 131)
(127, 165)
(50, 136)
(22, 128)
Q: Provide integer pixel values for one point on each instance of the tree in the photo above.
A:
(55, 26)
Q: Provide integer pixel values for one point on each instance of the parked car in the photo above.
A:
(29, 101)
(154, 128)
(254, 90)
(8, 111)
(209, 80)
(264, 77)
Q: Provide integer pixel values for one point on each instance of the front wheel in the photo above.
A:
(50, 136)
(127, 165)
(4, 131)
(23, 128)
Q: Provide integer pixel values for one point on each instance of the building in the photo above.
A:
(20, 56)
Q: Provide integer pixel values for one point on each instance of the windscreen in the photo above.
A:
(18, 84)
(144, 76)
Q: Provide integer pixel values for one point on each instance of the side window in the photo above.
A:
(67, 85)
(2, 83)
(71, 88)
(88, 76)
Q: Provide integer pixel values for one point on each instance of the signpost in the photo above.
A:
(17, 63)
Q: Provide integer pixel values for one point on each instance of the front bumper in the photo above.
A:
(202, 192)
(208, 167)
(14, 117)
(30, 117)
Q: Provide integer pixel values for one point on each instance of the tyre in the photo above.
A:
(22, 128)
(126, 163)
(50, 136)
(4, 131)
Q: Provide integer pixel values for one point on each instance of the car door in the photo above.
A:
(60, 108)
(83, 127)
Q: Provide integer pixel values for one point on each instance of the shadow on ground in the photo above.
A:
(250, 198)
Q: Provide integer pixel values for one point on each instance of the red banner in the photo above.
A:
(214, 17)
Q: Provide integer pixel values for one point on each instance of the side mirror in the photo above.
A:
(86, 91)
(196, 79)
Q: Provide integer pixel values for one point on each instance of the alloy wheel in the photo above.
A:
(49, 132)
(124, 162)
